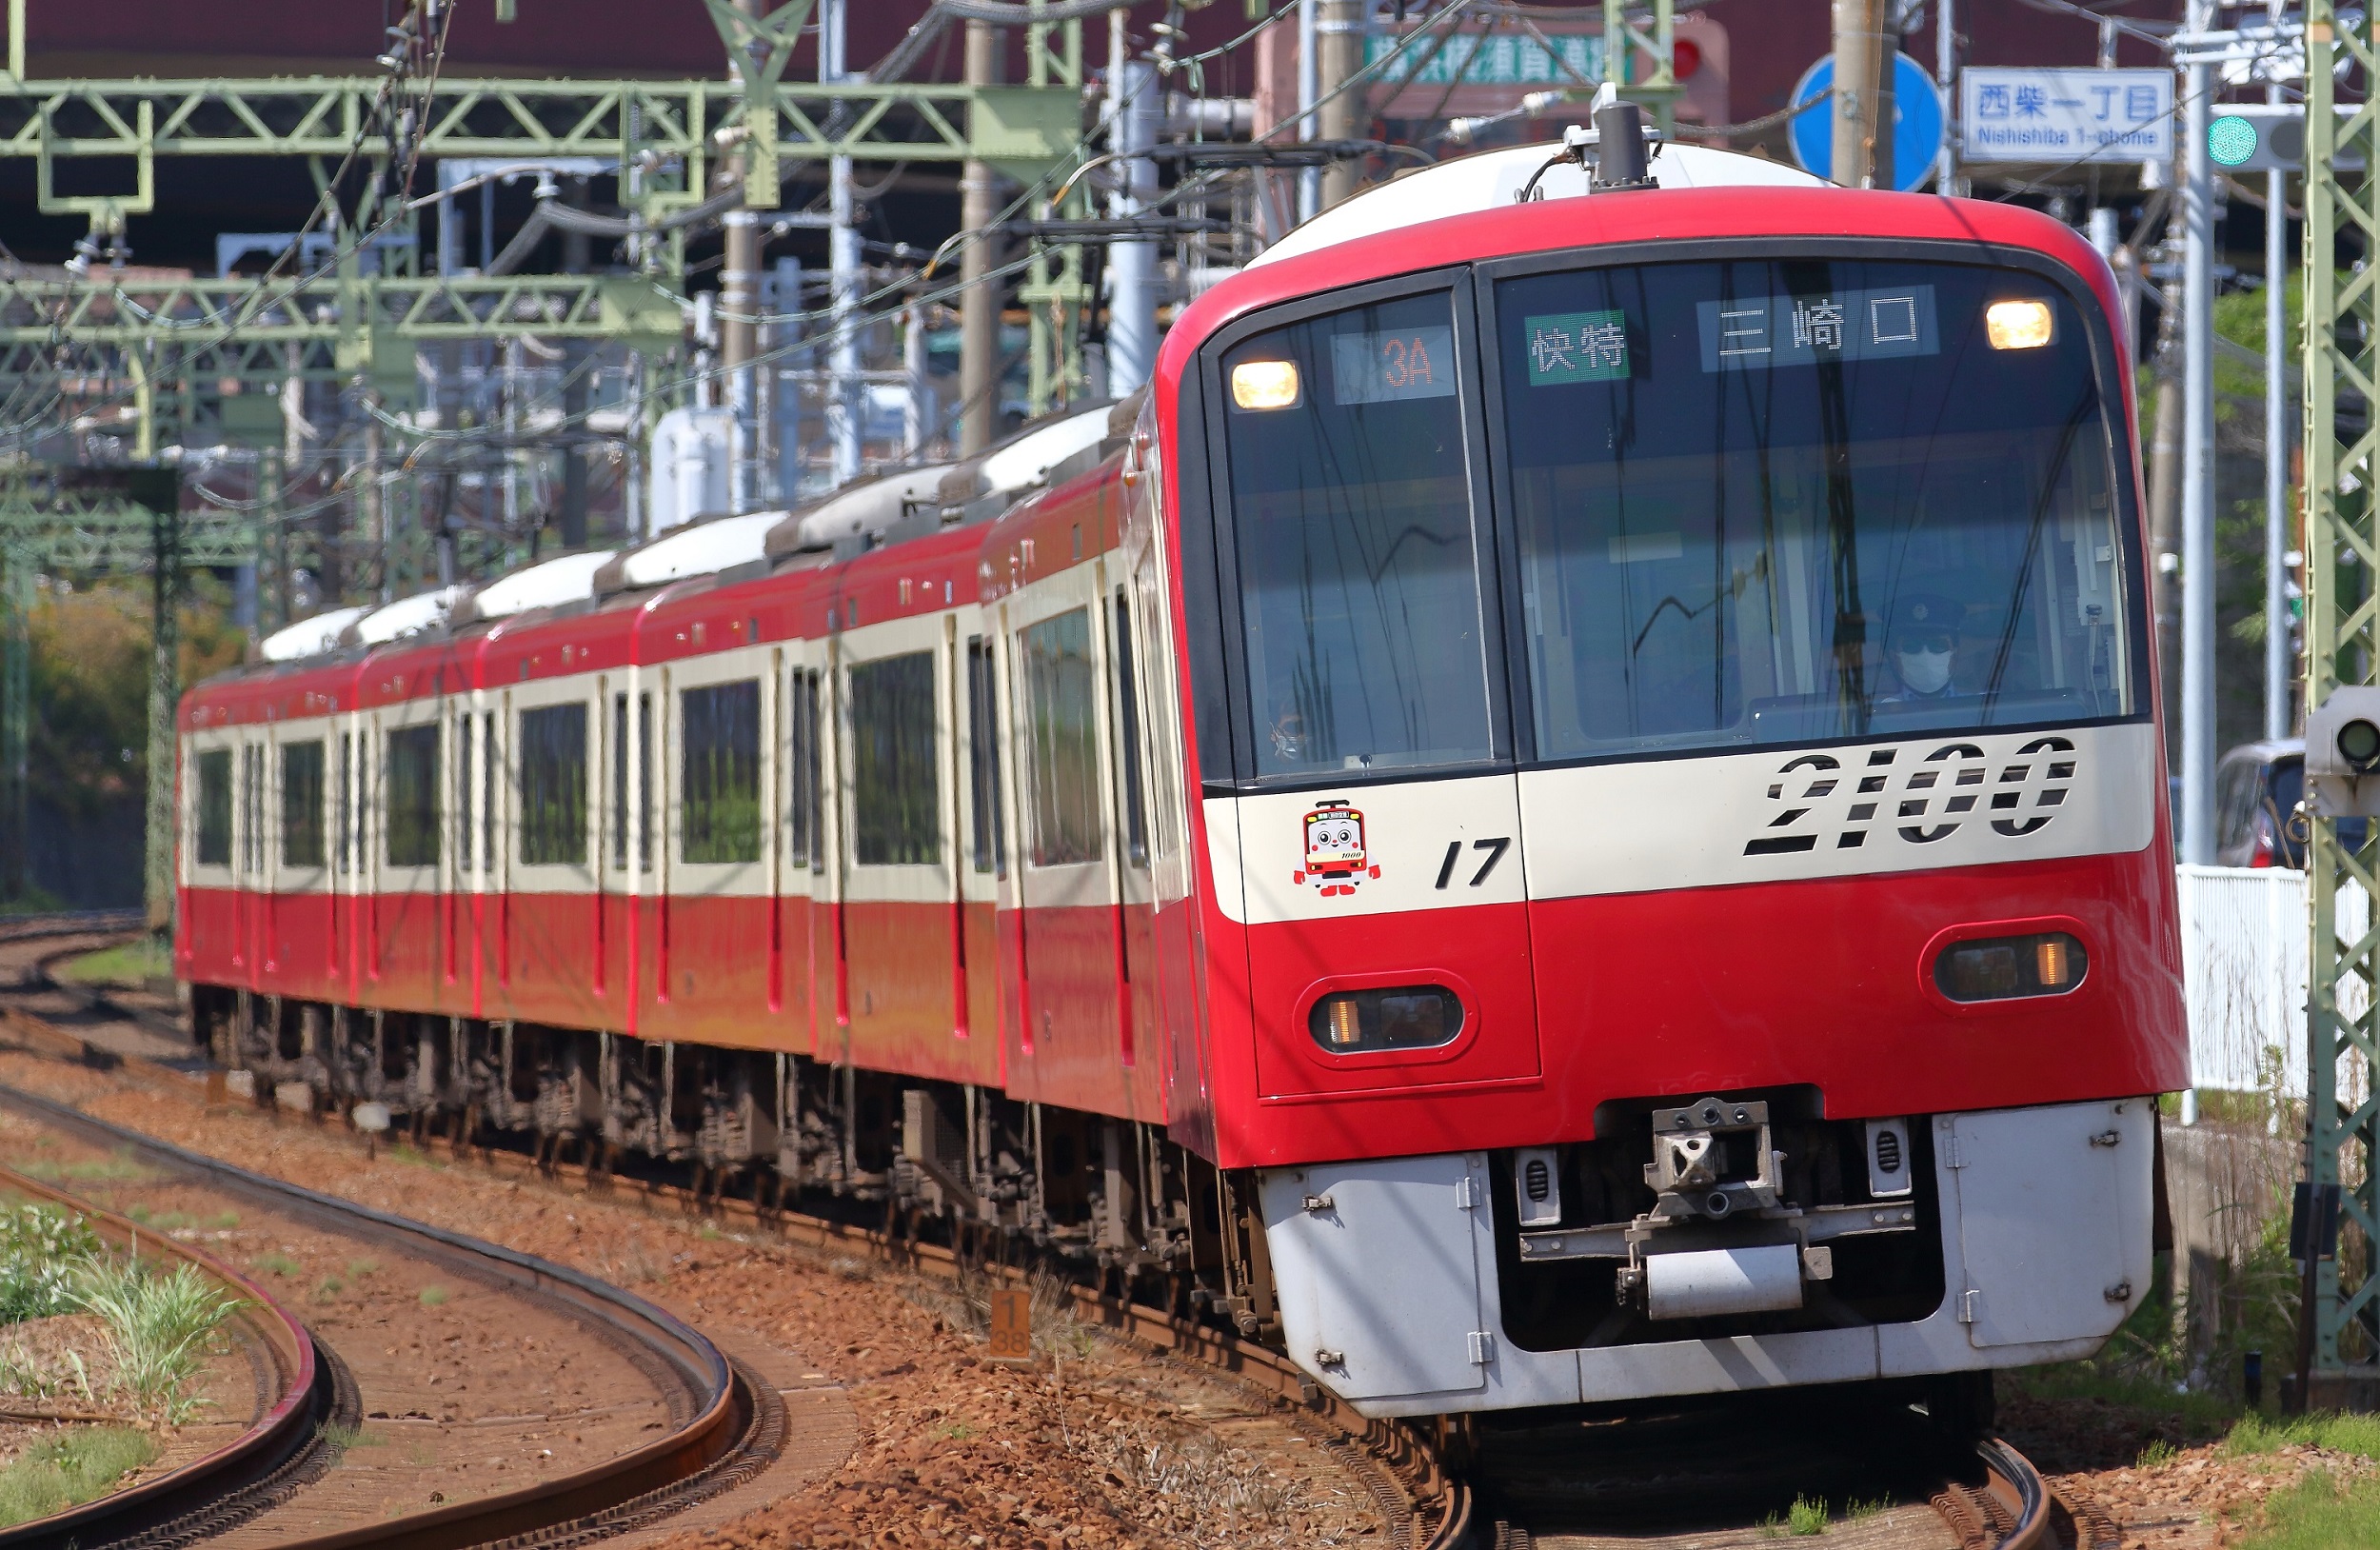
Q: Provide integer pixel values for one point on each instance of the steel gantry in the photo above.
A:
(2342, 546)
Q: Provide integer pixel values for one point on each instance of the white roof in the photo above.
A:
(565, 579)
(701, 549)
(1027, 461)
(869, 508)
(309, 637)
(408, 615)
(1492, 178)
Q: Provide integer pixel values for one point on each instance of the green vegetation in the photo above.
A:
(328, 1290)
(434, 1296)
(117, 1167)
(133, 962)
(360, 1269)
(159, 1329)
(40, 1246)
(341, 1438)
(2358, 1435)
(72, 1467)
(274, 1263)
(2317, 1515)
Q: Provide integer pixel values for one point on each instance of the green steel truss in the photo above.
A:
(2342, 648)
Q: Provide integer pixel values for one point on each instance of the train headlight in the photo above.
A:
(2019, 325)
(1401, 1017)
(1264, 384)
(2003, 968)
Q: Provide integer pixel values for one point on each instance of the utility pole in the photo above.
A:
(1132, 265)
(2197, 201)
(978, 301)
(1339, 48)
(844, 279)
(1945, 76)
(1309, 88)
(2278, 669)
(160, 489)
(1863, 107)
(739, 306)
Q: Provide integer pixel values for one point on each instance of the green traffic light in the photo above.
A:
(2231, 141)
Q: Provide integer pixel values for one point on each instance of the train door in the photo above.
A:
(985, 865)
(804, 941)
(719, 930)
(1071, 1031)
(547, 747)
(254, 855)
(900, 948)
(298, 822)
(628, 832)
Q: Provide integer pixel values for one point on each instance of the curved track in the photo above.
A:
(732, 1426)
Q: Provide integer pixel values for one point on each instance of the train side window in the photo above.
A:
(409, 786)
(351, 841)
(895, 793)
(1128, 732)
(490, 761)
(805, 802)
(553, 786)
(1061, 740)
(721, 809)
(251, 808)
(987, 819)
(302, 803)
(464, 730)
(214, 807)
(620, 780)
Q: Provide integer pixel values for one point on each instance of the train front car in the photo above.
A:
(1691, 907)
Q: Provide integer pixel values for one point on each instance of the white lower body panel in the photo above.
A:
(1387, 1279)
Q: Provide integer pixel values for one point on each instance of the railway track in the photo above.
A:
(2003, 1504)
(726, 1425)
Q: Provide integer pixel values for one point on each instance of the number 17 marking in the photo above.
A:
(1494, 848)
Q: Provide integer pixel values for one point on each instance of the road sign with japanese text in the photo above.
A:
(2010, 113)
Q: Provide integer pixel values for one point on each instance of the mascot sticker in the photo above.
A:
(1335, 856)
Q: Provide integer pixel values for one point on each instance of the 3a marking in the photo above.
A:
(1495, 850)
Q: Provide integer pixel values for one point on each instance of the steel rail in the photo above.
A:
(2017, 1486)
(304, 1395)
(1398, 1459)
(727, 1406)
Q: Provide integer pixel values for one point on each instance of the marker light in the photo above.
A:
(1264, 384)
(2004, 968)
(1405, 1017)
(2359, 744)
(2017, 325)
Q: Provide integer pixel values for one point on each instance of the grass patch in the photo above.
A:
(133, 962)
(277, 1263)
(40, 1247)
(117, 1167)
(2358, 1435)
(329, 1289)
(341, 1438)
(435, 1296)
(360, 1269)
(2156, 1455)
(70, 1469)
(159, 1329)
(2316, 1514)
(224, 1221)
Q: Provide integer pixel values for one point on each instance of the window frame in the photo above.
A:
(309, 872)
(391, 875)
(895, 644)
(671, 872)
(1209, 542)
(203, 746)
(520, 769)
(2107, 378)
(507, 867)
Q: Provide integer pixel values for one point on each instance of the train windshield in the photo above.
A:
(1789, 499)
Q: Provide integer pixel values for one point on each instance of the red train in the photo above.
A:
(1570, 807)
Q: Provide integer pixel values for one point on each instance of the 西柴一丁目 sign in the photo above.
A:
(2022, 114)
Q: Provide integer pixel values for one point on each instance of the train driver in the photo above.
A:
(1922, 643)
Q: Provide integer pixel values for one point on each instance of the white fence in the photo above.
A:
(2244, 970)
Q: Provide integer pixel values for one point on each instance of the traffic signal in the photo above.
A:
(2245, 137)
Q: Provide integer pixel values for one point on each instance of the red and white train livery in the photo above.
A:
(1570, 807)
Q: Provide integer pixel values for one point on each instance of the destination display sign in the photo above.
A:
(1759, 333)
(1394, 364)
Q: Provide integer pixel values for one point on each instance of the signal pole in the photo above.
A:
(2277, 664)
(2197, 199)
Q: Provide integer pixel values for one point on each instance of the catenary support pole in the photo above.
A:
(2279, 666)
(1339, 49)
(1132, 265)
(160, 489)
(2197, 706)
(1946, 76)
(739, 312)
(978, 301)
(845, 397)
(1854, 91)
(1309, 88)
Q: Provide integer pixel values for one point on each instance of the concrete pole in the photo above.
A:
(844, 279)
(1946, 76)
(916, 421)
(2279, 666)
(160, 489)
(2197, 199)
(1309, 88)
(1339, 54)
(978, 301)
(738, 306)
(1132, 265)
(1855, 68)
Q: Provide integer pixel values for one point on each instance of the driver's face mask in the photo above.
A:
(1926, 670)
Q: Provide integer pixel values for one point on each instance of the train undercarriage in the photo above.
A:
(1114, 1200)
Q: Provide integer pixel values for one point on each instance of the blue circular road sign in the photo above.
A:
(1917, 122)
